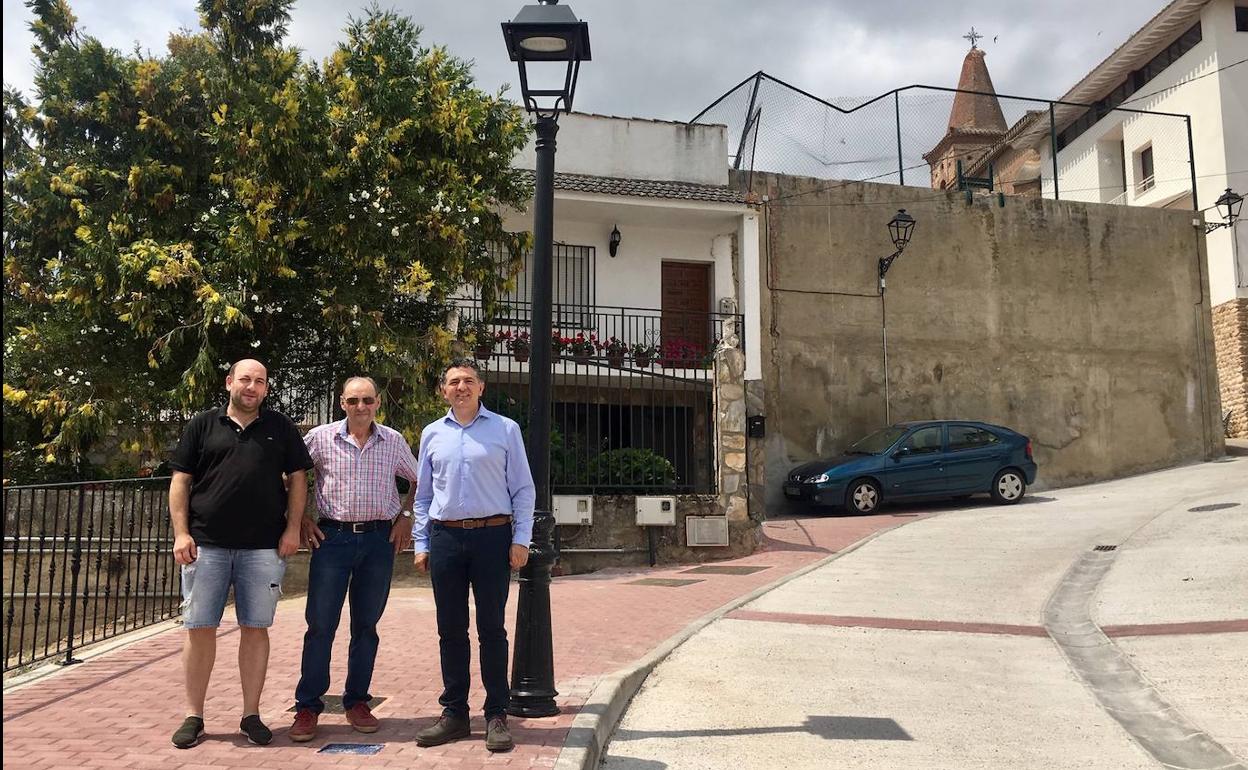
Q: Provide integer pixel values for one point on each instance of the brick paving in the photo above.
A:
(118, 710)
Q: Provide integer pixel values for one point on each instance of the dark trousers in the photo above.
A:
(459, 558)
(360, 565)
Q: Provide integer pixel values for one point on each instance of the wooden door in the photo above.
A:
(685, 329)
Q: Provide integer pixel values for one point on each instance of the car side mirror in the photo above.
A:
(905, 451)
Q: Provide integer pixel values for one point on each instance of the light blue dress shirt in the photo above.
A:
(473, 471)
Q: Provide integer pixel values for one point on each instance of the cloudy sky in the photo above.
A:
(669, 59)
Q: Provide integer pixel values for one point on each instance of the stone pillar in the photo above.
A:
(730, 452)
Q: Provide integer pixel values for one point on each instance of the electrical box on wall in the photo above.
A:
(706, 530)
(656, 511)
(573, 509)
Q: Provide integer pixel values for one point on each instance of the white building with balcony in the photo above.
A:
(1189, 60)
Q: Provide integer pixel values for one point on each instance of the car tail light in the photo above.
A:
(1028, 449)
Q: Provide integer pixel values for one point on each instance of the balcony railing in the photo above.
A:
(632, 391)
(1145, 184)
(1120, 199)
(84, 562)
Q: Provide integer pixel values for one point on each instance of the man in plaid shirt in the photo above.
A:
(363, 524)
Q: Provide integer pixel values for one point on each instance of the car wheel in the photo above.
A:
(863, 496)
(1008, 486)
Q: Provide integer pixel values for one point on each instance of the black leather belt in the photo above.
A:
(355, 527)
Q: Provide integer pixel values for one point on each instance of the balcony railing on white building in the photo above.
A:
(1145, 184)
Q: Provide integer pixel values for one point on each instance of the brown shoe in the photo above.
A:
(304, 728)
(497, 736)
(361, 718)
(446, 729)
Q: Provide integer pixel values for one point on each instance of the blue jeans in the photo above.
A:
(255, 573)
(480, 558)
(360, 565)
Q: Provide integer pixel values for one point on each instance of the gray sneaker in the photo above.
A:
(445, 730)
(497, 736)
(190, 733)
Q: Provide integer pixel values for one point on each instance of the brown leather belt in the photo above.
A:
(490, 521)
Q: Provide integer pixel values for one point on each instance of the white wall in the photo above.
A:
(633, 148)
(633, 277)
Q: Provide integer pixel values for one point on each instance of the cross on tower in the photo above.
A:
(973, 36)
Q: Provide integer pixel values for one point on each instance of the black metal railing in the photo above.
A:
(633, 401)
(83, 562)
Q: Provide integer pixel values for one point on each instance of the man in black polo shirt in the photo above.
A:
(234, 524)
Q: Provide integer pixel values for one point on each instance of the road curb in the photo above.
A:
(601, 712)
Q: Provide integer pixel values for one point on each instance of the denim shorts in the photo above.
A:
(256, 575)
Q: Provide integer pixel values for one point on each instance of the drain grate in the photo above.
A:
(1212, 507)
(723, 569)
(351, 748)
(667, 582)
(1105, 548)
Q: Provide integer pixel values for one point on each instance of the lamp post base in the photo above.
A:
(533, 665)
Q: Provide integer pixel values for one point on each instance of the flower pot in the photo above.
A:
(582, 358)
(483, 352)
(521, 356)
(615, 359)
(642, 362)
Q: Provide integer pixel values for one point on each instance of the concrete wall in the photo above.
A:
(636, 148)
(1083, 326)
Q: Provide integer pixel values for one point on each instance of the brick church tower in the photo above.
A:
(975, 123)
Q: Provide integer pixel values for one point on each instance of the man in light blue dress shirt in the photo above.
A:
(474, 518)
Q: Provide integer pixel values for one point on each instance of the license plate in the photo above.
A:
(792, 490)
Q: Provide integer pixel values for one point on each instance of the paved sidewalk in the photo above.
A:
(119, 709)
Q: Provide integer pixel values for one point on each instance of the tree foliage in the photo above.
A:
(164, 216)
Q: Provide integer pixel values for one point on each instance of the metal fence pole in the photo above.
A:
(1191, 164)
(1053, 148)
(901, 170)
(74, 569)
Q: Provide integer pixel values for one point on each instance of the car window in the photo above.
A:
(970, 437)
(877, 442)
(923, 441)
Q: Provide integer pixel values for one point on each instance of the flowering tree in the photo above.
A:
(164, 216)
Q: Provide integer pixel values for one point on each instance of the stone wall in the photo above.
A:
(1084, 326)
(1230, 338)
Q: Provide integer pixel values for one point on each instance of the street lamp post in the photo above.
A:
(899, 229)
(549, 34)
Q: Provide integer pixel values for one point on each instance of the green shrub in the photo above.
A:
(633, 470)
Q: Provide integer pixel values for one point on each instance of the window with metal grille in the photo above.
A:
(573, 285)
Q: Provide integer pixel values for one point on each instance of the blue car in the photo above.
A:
(910, 460)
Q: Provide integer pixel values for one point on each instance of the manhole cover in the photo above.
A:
(668, 582)
(1212, 507)
(333, 704)
(722, 569)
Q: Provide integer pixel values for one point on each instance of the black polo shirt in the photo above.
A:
(237, 496)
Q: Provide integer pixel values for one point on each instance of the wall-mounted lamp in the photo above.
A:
(1229, 206)
(613, 243)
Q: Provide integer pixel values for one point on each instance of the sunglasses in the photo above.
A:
(368, 401)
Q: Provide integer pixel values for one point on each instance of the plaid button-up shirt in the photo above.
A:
(354, 484)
